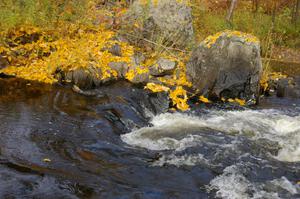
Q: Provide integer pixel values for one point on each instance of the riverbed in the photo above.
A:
(120, 143)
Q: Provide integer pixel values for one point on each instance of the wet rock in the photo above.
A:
(226, 65)
(84, 79)
(287, 87)
(163, 67)
(79, 78)
(90, 93)
(159, 102)
(169, 21)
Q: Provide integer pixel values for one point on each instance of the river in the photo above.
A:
(55, 143)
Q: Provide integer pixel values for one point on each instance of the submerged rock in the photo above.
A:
(227, 65)
(168, 21)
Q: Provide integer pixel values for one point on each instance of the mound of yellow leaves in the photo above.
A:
(80, 48)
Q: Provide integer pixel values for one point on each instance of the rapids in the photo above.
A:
(55, 143)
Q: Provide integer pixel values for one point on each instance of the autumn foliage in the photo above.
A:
(45, 40)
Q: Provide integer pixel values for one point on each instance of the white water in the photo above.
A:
(233, 185)
(177, 132)
(174, 131)
(187, 160)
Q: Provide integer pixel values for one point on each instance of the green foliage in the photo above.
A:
(42, 13)
(208, 22)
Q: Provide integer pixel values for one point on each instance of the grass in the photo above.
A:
(260, 24)
(47, 14)
(40, 13)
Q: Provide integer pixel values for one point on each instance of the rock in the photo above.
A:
(287, 87)
(163, 67)
(3, 62)
(84, 79)
(141, 78)
(114, 50)
(79, 78)
(129, 106)
(137, 73)
(168, 22)
(227, 65)
(89, 93)
(92, 77)
(121, 67)
(159, 102)
(138, 58)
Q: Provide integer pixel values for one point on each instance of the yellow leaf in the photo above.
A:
(236, 100)
(204, 99)
(156, 87)
(240, 101)
(179, 98)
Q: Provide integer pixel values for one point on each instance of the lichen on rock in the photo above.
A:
(244, 37)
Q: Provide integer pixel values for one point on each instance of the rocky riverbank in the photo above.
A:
(224, 67)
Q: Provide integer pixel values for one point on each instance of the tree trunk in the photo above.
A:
(296, 13)
(231, 9)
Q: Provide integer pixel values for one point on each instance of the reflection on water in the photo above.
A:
(105, 147)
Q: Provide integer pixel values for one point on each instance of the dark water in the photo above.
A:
(98, 148)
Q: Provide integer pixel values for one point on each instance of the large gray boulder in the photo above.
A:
(167, 22)
(227, 65)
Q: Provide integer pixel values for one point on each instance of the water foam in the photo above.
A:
(174, 131)
(183, 160)
(232, 184)
(177, 132)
